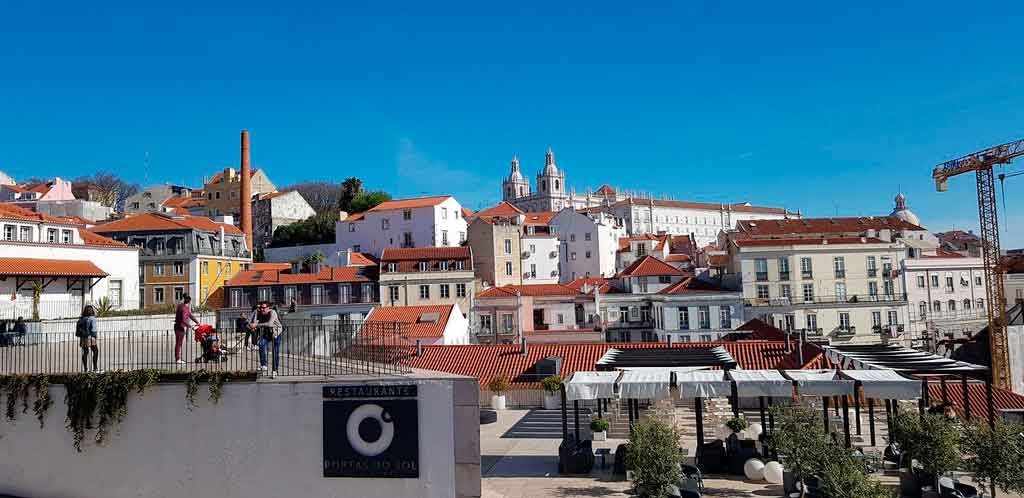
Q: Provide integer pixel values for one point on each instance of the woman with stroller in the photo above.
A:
(85, 330)
(265, 322)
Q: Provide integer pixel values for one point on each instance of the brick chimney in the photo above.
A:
(245, 196)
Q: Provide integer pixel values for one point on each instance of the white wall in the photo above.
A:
(426, 226)
(572, 230)
(547, 267)
(456, 331)
(961, 317)
(289, 254)
(263, 440)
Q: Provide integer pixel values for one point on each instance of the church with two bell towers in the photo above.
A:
(552, 193)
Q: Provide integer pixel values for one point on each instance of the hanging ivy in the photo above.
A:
(216, 380)
(42, 404)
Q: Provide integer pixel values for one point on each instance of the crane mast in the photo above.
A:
(981, 163)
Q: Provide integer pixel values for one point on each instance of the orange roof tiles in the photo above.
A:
(1002, 399)
(532, 290)
(605, 190)
(11, 212)
(94, 239)
(49, 268)
(677, 258)
(718, 260)
(691, 285)
(649, 266)
(413, 202)
(807, 242)
(424, 253)
(500, 209)
(485, 362)
(624, 242)
(162, 221)
(760, 330)
(539, 218)
(413, 317)
(327, 274)
(823, 225)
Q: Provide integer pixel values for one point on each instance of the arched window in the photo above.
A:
(936, 306)
(510, 191)
(981, 304)
(556, 185)
(520, 191)
(967, 304)
(544, 185)
(951, 305)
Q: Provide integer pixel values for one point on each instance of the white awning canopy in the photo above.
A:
(820, 383)
(757, 383)
(703, 384)
(591, 385)
(884, 384)
(648, 383)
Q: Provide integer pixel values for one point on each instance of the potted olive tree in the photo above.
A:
(737, 425)
(654, 457)
(552, 392)
(936, 448)
(599, 427)
(498, 387)
(995, 455)
(801, 444)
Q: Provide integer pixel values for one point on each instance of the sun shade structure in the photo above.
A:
(898, 358)
(667, 357)
(884, 384)
(591, 385)
(703, 384)
(820, 382)
(757, 383)
(652, 384)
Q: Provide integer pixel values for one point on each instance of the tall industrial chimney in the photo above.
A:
(245, 197)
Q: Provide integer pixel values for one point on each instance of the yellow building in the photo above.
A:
(223, 190)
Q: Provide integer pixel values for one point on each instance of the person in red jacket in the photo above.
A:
(182, 317)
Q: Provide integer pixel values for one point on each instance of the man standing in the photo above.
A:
(268, 327)
(182, 317)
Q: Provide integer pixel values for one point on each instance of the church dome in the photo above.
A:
(516, 175)
(549, 164)
(903, 212)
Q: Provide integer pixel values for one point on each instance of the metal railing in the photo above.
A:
(847, 299)
(307, 348)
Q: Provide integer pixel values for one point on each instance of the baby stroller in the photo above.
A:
(208, 340)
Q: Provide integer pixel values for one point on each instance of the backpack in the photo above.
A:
(82, 327)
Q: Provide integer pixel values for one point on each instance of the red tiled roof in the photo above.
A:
(823, 225)
(173, 202)
(718, 260)
(807, 242)
(413, 317)
(500, 209)
(413, 202)
(96, 240)
(270, 195)
(649, 266)
(691, 285)
(942, 253)
(958, 235)
(677, 258)
(1002, 399)
(486, 362)
(624, 242)
(605, 190)
(327, 274)
(11, 212)
(532, 290)
(1013, 264)
(425, 253)
(762, 331)
(361, 259)
(220, 174)
(467, 213)
(539, 218)
(163, 221)
(49, 268)
(355, 217)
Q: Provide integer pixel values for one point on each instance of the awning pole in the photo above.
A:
(771, 417)
(600, 413)
(888, 415)
(846, 421)
(856, 407)
(576, 417)
(966, 398)
(991, 403)
(565, 416)
(922, 404)
(835, 404)
(734, 398)
(945, 391)
(764, 423)
(698, 410)
(871, 420)
(824, 412)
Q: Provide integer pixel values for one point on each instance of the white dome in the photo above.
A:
(903, 212)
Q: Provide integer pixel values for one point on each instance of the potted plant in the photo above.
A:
(737, 424)
(599, 427)
(552, 392)
(654, 457)
(498, 387)
(995, 455)
(936, 448)
(800, 441)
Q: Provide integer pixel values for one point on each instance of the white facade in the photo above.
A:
(587, 244)
(540, 266)
(703, 220)
(946, 295)
(425, 222)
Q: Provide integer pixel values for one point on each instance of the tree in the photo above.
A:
(350, 188)
(321, 196)
(364, 201)
(104, 187)
(843, 476)
(317, 229)
(654, 457)
(995, 455)
(800, 440)
(932, 440)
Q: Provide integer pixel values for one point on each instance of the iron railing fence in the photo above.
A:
(307, 348)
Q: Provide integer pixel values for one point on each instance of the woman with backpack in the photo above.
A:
(85, 330)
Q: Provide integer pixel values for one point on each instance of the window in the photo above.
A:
(788, 322)
(872, 268)
(949, 284)
(642, 284)
(236, 298)
(462, 237)
(844, 320)
(485, 322)
(641, 249)
(508, 246)
(785, 291)
(704, 316)
(886, 267)
(560, 319)
(158, 269)
(876, 319)
(407, 239)
(179, 294)
(920, 282)
(805, 268)
(158, 295)
(421, 266)
(840, 292)
(724, 317)
(783, 268)
(586, 236)
(114, 293)
(586, 254)
(407, 214)
(951, 305)
(572, 256)
(964, 281)
(922, 310)
(351, 227)
(8, 232)
(442, 265)
(967, 304)
(508, 268)
(506, 322)
(533, 249)
(263, 294)
(762, 292)
(705, 338)
(761, 269)
(980, 304)
(445, 291)
(533, 270)
(316, 295)
(289, 294)
(572, 237)
(51, 235)
(459, 265)
(887, 287)
(808, 293)
(216, 195)
(812, 322)
(25, 234)
(424, 292)
(873, 289)
(894, 317)
(385, 224)
(220, 268)
(684, 318)
(977, 280)
(179, 268)
(664, 279)
(444, 237)
(935, 280)
(444, 213)
(460, 290)
(839, 266)
(393, 294)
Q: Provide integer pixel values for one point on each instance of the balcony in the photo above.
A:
(840, 273)
(761, 276)
(783, 275)
(816, 300)
(872, 272)
(806, 274)
(844, 331)
(639, 324)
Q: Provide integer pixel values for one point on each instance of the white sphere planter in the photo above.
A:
(722, 432)
(773, 472)
(754, 469)
(498, 402)
(755, 430)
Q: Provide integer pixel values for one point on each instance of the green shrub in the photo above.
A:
(654, 457)
(552, 384)
(737, 424)
(499, 385)
(599, 425)
(995, 455)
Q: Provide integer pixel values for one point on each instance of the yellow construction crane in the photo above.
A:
(981, 163)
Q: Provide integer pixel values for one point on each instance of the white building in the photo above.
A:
(946, 292)
(703, 220)
(670, 249)
(588, 243)
(69, 265)
(429, 325)
(416, 222)
(540, 257)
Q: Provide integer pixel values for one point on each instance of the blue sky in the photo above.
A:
(820, 107)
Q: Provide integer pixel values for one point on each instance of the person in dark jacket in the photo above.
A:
(242, 327)
(85, 330)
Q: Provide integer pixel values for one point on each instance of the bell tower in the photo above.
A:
(515, 186)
